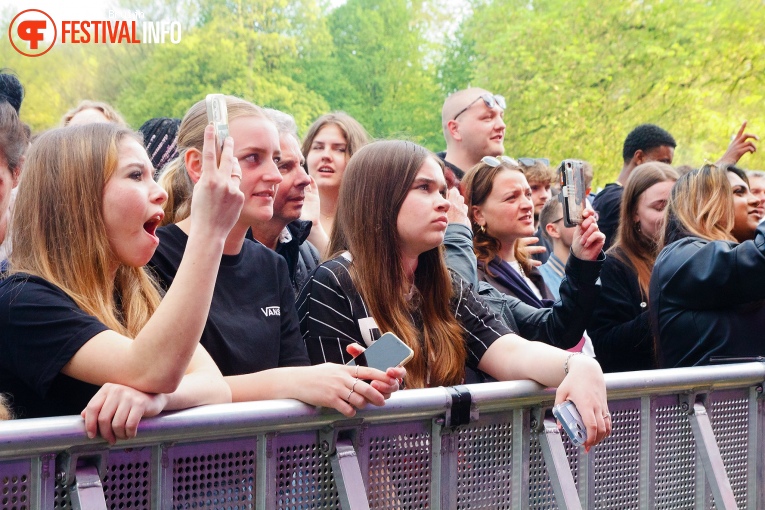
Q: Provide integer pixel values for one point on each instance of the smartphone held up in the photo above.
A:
(573, 194)
(217, 114)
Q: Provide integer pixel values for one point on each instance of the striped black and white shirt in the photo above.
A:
(332, 315)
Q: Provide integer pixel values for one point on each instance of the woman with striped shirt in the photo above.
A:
(388, 274)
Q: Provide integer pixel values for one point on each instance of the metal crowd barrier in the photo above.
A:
(682, 438)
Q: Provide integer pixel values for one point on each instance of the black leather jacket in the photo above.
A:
(708, 299)
(562, 325)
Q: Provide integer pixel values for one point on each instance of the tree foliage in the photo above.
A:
(580, 74)
(577, 74)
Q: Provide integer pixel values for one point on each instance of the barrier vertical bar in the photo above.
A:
(42, 481)
(265, 469)
(561, 479)
(586, 477)
(521, 452)
(755, 460)
(161, 478)
(647, 457)
(709, 453)
(443, 490)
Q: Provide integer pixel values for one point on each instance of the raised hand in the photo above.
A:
(532, 248)
(217, 200)
(588, 239)
(741, 144)
(458, 210)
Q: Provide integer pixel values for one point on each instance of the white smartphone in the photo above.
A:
(568, 416)
(217, 113)
(385, 352)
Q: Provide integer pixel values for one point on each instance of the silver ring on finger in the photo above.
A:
(353, 388)
(349, 395)
(606, 415)
(356, 375)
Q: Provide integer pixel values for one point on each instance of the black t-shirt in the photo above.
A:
(608, 203)
(41, 328)
(333, 315)
(252, 324)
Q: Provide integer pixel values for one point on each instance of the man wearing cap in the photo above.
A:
(473, 128)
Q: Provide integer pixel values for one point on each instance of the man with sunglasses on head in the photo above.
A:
(472, 120)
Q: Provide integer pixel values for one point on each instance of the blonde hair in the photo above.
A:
(701, 205)
(477, 184)
(175, 178)
(107, 110)
(64, 238)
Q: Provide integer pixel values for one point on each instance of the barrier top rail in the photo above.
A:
(36, 436)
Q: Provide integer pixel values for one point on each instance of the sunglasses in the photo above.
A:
(490, 100)
(532, 161)
(495, 162)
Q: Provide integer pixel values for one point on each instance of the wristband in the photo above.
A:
(568, 358)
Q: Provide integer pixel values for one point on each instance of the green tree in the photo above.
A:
(377, 71)
(578, 75)
(242, 49)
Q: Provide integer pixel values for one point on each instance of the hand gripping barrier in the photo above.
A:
(682, 438)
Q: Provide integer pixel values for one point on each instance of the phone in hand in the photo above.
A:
(385, 352)
(573, 194)
(217, 113)
(568, 416)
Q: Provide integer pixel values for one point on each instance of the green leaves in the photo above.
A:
(578, 75)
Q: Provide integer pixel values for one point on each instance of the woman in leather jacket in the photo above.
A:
(707, 291)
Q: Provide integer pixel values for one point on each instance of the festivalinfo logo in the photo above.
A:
(33, 32)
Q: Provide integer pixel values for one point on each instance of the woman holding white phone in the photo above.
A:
(388, 274)
(252, 330)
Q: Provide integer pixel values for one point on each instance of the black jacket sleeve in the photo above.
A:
(564, 323)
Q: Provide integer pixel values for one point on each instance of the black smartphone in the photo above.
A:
(385, 352)
(217, 113)
(572, 191)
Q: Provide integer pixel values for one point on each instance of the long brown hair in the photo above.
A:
(377, 180)
(64, 239)
(477, 185)
(700, 205)
(631, 246)
(355, 135)
(175, 179)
